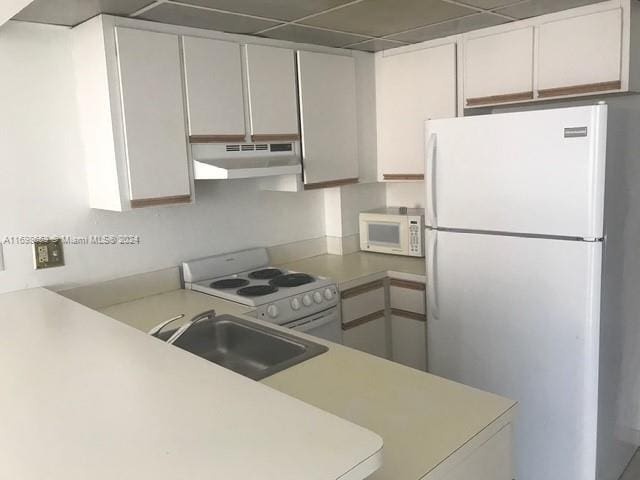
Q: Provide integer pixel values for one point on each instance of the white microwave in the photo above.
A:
(395, 230)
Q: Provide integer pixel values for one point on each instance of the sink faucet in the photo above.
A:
(155, 331)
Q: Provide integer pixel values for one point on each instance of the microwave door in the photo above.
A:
(385, 236)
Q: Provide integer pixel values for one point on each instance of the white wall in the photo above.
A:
(406, 194)
(43, 191)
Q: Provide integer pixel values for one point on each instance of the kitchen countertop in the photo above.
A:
(344, 269)
(423, 419)
(89, 397)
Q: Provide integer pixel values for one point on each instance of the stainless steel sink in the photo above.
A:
(245, 347)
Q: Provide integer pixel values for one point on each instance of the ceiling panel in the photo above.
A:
(375, 45)
(73, 12)
(278, 9)
(488, 4)
(534, 8)
(298, 33)
(199, 18)
(453, 27)
(382, 17)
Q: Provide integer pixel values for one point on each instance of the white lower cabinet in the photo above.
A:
(408, 340)
(408, 323)
(369, 336)
(364, 321)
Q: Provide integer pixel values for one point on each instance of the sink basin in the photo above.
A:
(245, 347)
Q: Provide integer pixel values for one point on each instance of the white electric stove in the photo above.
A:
(293, 299)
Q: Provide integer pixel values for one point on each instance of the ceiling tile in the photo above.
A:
(199, 18)
(488, 4)
(280, 9)
(298, 33)
(534, 8)
(73, 12)
(383, 17)
(375, 45)
(453, 27)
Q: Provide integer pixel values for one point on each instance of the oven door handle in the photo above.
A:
(313, 324)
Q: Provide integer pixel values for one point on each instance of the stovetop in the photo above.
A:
(260, 286)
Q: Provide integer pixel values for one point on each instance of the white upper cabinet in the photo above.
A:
(154, 121)
(499, 67)
(213, 81)
(327, 89)
(581, 54)
(411, 87)
(271, 79)
(131, 107)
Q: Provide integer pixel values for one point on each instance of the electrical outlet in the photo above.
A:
(48, 253)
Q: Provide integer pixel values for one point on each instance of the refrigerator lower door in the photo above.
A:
(519, 317)
(537, 172)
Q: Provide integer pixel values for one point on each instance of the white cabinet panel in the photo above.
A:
(411, 88)
(408, 341)
(499, 67)
(368, 337)
(366, 303)
(213, 77)
(327, 85)
(581, 52)
(409, 299)
(271, 78)
(154, 118)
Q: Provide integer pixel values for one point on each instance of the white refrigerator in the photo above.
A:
(515, 241)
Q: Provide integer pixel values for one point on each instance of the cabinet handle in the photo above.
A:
(362, 320)
(216, 138)
(360, 289)
(421, 317)
(151, 202)
(276, 137)
(403, 176)
(409, 285)
(580, 89)
(331, 183)
(493, 99)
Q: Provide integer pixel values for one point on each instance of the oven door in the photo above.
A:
(324, 325)
(384, 234)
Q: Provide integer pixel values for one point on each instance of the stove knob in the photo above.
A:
(272, 311)
(295, 303)
(328, 294)
(307, 300)
(317, 297)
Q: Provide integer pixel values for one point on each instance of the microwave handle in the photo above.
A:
(430, 168)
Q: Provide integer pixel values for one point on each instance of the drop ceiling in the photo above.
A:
(369, 25)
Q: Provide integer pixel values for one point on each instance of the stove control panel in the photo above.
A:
(293, 308)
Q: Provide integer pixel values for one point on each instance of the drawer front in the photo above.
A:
(409, 296)
(363, 300)
(409, 341)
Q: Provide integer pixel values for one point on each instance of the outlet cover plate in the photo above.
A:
(48, 253)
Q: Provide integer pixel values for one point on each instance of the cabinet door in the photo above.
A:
(327, 89)
(499, 68)
(213, 77)
(154, 117)
(411, 88)
(409, 339)
(369, 336)
(580, 55)
(271, 77)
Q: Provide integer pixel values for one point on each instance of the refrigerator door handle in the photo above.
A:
(432, 294)
(432, 219)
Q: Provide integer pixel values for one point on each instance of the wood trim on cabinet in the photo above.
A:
(580, 89)
(151, 202)
(362, 320)
(277, 137)
(421, 317)
(360, 289)
(216, 138)
(408, 284)
(506, 98)
(331, 183)
(403, 176)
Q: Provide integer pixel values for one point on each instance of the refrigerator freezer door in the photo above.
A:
(519, 317)
(539, 172)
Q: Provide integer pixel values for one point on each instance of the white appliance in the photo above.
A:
(516, 296)
(213, 161)
(395, 230)
(295, 300)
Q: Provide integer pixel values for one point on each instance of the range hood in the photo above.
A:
(245, 160)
